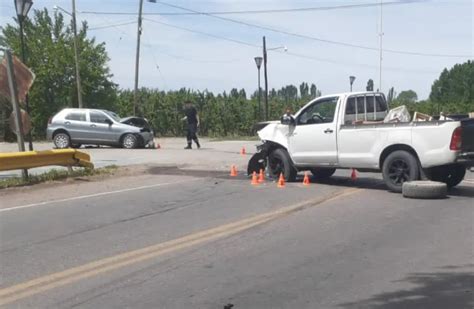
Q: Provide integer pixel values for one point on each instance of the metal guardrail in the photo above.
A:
(31, 159)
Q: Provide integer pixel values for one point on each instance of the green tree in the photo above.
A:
(453, 91)
(50, 55)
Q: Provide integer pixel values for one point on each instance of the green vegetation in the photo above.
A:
(54, 175)
(234, 113)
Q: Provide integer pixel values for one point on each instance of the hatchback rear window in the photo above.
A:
(77, 116)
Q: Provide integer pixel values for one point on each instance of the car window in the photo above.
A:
(367, 108)
(77, 116)
(98, 117)
(320, 112)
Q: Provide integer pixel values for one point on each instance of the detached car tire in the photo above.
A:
(279, 161)
(424, 189)
(129, 141)
(62, 140)
(400, 166)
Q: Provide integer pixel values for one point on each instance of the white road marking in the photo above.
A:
(81, 197)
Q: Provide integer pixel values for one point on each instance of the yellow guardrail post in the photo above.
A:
(31, 159)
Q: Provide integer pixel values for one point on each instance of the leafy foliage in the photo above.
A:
(50, 55)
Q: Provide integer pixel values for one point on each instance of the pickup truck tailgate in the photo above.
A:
(467, 135)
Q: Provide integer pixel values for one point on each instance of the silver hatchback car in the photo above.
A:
(73, 127)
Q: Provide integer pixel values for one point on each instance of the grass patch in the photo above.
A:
(54, 175)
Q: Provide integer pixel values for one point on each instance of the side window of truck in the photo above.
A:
(320, 112)
(365, 108)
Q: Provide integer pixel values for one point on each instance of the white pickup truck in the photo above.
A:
(348, 131)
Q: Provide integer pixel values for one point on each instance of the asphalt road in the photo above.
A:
(196, 239)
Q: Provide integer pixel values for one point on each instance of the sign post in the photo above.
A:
(16, 106)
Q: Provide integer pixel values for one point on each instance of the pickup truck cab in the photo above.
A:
(348, 131)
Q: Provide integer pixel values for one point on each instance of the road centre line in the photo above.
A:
(74, 274)
(81, 197)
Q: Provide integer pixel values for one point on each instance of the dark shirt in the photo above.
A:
(191, 115)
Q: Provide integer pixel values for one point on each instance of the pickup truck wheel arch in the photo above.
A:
(387, 151)
(400, 166)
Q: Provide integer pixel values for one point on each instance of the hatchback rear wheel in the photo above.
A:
(62, 140)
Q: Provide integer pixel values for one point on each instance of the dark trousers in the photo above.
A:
(191, 133)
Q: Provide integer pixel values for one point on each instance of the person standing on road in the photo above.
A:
(192, 118)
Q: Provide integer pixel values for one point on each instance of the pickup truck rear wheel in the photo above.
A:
(400, 166)
(279, 162)
(451, 175)
(323, 173)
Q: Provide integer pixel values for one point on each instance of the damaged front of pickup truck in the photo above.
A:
(357, 130)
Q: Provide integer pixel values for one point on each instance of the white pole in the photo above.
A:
(380, 48)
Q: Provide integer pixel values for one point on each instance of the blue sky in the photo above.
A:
(187, 59)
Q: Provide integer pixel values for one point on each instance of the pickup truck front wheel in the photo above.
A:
(400, 166)
(279, 162)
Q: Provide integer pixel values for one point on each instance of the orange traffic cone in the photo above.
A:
(354, 174)
(261, 176)
(281, 181)
(306, 181)
(254, 179)
(242, 151)
(233, 171)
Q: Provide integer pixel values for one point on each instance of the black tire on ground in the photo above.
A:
(451, 175)
(279, 162)
(61, 140)
(424, 189)
(400, 166)
(322, 172)
(129, 141)
(256, 163)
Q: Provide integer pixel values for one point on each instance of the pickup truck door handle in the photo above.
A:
(93, 126)
(328, 131)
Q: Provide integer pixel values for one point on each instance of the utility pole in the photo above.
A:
(266, 77)
(76, 55)
(16, 106)
(380, 48)
(137, 60)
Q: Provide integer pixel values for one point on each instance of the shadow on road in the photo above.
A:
(433, 290)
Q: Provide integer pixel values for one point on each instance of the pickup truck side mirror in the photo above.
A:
(288, 120)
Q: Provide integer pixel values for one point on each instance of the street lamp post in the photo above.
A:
(351, 80)
(258, 62)
(22, 8)
(76, 52)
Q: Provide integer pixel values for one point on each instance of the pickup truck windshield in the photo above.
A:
(321, 111)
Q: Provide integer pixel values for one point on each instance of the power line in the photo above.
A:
(314, 38)
(268, 11)
(203, 33)
(113, 25)
(286, 53)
